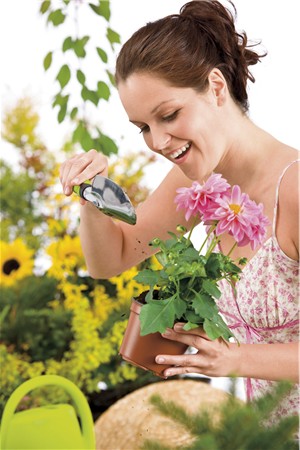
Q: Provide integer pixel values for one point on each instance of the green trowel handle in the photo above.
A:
(80, 189)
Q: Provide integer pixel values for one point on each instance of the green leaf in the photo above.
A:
(180, 307)
(111, 78)
(60, 100)
(78, 132)
(103, 90)
(62, 113)
(47, 61)
(78, 46)
(157, 316)
(80, 76)
(67, 44)
(161, 258)
(190, 326)
(216, 328)
(73, 113)
(56, 17)
(113, 37)
(102, 9)
(214, 265)
(211, 288)
(105, 144)
(86, 141)
(64, 76)
(147, 277)
(45, 6)
(211, 329)
(102, 54)
(204, 306)
(89, 95)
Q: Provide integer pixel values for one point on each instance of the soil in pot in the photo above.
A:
(142, 350)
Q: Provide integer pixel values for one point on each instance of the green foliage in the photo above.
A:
(238, 426)
(57, 321)
(29, 324)
(23, 189)
(72, 77)
(185, 288)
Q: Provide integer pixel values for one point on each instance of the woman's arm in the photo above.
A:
(109, 246)
(222, 359)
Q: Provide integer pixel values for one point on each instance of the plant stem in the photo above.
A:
(212, 228)
(193, 226)
(232, 248)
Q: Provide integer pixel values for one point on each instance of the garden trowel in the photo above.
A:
(108, 197)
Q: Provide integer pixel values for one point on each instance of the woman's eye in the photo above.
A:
(171, 117)
(144, 129)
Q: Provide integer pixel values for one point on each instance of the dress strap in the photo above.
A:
(277, 193)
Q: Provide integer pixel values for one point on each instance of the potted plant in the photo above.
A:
(186, 287)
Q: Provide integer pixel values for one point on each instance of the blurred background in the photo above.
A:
(58, 97)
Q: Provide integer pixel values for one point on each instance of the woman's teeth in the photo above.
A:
(178, 153)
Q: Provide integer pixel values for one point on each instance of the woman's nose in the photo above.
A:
(160, 141)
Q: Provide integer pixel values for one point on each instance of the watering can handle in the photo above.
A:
(77, 396)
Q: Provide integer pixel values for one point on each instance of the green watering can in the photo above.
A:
(47, 427)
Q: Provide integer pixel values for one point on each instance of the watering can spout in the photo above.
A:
(57, 426)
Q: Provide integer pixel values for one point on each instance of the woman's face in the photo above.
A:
(184, 126)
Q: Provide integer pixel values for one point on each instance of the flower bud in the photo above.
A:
(155, 242)
(181, 229)
(242, 261)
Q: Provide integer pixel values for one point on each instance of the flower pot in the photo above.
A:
(142, 350)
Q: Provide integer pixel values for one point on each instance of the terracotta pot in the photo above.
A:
(142, 350)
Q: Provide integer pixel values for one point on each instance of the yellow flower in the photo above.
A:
(126, 286)
(67, 257)
(16, 261)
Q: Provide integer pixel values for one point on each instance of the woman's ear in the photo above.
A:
(218, 86)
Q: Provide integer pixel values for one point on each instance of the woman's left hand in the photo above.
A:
(216, 358)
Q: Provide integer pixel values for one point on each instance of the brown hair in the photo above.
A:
(183, 49)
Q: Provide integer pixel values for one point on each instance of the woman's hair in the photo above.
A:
(184, 48)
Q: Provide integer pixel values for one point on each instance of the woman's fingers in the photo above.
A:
(194, 338)
(182, 364)
(179, 328)
(82, 167)
(211, 357)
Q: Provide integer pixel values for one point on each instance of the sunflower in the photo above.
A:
(67, 257)
(16, 261)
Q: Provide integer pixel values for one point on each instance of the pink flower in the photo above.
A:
(239, 216)
(198, 198)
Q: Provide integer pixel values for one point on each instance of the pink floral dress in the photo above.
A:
(265, 308)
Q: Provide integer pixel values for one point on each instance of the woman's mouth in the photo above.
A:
(180, 153)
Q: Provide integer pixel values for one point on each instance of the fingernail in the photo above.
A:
(167, 332)
(75, 181)
(67, 190)
(178, 326)
(160, 359)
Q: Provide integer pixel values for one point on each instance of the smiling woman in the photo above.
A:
(183, 80)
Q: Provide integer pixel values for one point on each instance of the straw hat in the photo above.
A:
(132, 420)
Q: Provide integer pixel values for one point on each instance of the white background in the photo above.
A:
(25, 40)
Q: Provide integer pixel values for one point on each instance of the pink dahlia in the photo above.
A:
(239, 216)
(199, 198)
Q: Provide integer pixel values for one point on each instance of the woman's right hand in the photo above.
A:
(82, 167)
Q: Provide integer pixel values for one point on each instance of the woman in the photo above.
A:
(183, 82)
